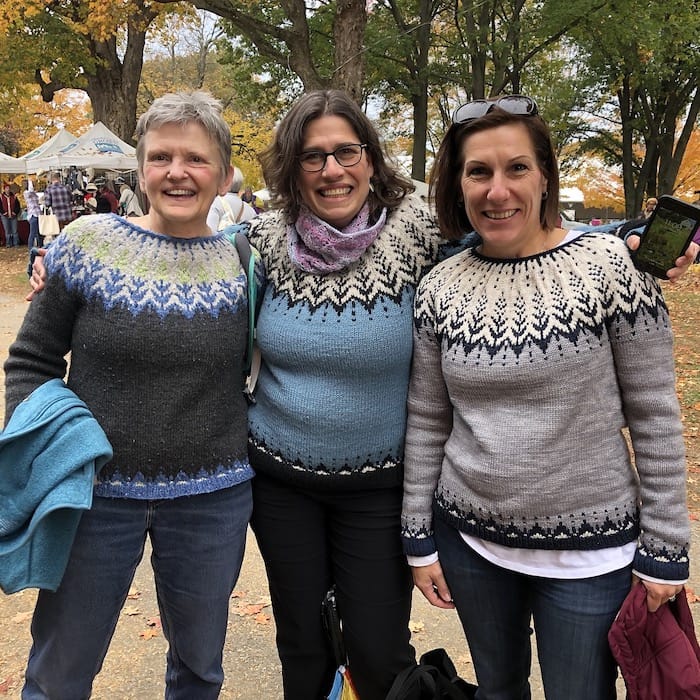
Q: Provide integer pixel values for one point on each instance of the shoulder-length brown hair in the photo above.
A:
(280, 161)
(446, 174)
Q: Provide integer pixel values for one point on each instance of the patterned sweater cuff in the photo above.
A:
(662, 567)
(418, 547)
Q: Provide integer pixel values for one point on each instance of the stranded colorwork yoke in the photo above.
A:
(525, 373)
(156, 326)
(336, 351)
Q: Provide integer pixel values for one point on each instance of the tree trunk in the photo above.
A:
(420, 97)
(670, 158)
(624, 98)
(348, 34)
(114, 84)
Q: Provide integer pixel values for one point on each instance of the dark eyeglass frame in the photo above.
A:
(325, 155)
(521, 105)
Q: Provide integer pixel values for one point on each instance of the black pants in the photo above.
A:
(311, 540)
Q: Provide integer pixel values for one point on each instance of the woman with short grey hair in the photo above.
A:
(147, 306)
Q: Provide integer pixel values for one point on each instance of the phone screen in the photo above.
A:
(667, 236)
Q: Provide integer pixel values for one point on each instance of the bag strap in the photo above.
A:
(245, 255)
(240, 213)
(253, 358)
(414, 683)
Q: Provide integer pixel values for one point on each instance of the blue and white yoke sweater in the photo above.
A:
(524, 374)
(336, 350)
(156, 327)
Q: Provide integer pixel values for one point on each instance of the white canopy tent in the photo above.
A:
(10, 165)
(58, 141)
(98, 148)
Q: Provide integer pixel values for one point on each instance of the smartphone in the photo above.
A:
(667, 234)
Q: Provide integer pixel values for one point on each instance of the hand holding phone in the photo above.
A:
(667, 235)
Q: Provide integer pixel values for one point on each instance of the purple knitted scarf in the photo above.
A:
(316, 246)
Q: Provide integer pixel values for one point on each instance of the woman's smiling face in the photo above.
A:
(181, 175)
(503, 188)
(335, 194)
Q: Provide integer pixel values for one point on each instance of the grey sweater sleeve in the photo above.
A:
(429, 424)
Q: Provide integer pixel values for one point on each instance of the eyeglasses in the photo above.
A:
(347, 156)
(514, 104)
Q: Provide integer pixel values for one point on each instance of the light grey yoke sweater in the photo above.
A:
(524, 374)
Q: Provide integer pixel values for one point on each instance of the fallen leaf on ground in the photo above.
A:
(131, 610)
(149, 633)
(262, 618)
(238, 594)
(154, 622)
(249, 608)
(690, 595)
(415, 626)
(5, 685)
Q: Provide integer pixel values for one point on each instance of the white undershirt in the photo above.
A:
(546, 563)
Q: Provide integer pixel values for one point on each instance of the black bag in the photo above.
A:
(433, 678)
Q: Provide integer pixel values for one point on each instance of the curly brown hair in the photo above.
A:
(280, 161)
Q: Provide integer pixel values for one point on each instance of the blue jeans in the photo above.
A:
(571, 620)
(34, 238)
(197, 544)
(11, 235)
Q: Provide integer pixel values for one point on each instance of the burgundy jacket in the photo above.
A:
(658, 653)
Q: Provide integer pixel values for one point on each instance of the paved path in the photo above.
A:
(134, 666)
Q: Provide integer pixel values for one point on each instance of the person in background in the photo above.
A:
(631, 226)
(58, 198)
(102, 204)
(10, 209)
(147, 307)
(230, 209)
(31, 199)
(649, 207)
(90, 199)
(128, 201)
(104, 192)
(531, 353)
(249, 198)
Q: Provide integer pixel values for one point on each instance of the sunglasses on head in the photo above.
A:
(513, 104)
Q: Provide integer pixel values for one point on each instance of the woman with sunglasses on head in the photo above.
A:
(532, 352)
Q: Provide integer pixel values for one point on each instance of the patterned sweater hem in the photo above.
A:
(166, 488)
(385, 475)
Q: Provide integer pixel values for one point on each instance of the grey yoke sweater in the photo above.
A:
(524, 374)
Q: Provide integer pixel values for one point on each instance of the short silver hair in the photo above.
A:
(237, 181)
(183, 108)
